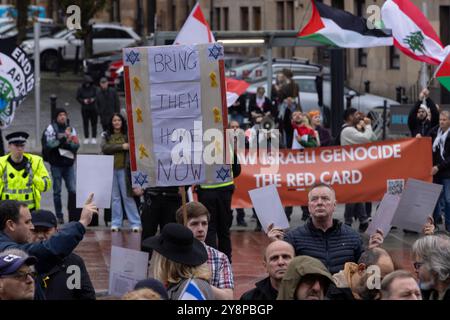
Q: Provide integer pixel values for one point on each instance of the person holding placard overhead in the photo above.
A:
(115, 142)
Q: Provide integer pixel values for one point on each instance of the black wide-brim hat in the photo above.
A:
(177, 243)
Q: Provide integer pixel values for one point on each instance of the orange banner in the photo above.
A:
(358, 173)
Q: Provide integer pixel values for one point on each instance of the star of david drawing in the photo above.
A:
(140, 179)
(223, 174)
(132, 57)
(215, 51)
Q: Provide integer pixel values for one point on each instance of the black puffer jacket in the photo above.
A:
(335, 247)
(263, 291)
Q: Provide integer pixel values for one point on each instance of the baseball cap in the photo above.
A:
(10, 263)
(43, 218)
(103, 80)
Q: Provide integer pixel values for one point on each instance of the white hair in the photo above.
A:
(434, 250)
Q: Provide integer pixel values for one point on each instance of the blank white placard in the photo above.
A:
(95, 174)
(268, 207)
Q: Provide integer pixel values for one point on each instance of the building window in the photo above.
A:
(216, 24)
(339, 4)
(394, 58)
(256, 18)
(280, 15)
(290, 15)
(225, 19)
(362, 57)
(359, 5)
(244, 18)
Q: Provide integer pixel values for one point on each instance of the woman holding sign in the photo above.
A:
(115, 142)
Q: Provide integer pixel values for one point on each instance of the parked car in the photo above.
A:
(106, 38)
(47, 30)
(111, 73)
(297, 66)
(119, 81)
(97, 66)
(241, 70)
(368, 103)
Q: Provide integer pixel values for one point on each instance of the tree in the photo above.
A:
(88, 10)
(22, 19)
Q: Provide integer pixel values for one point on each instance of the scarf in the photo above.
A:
(440, 141)
(260, 102)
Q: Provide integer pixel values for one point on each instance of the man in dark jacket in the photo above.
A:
(62, 143)
(15, 232)
(441, 165)
(277, 256)
(55, 281)
(86, 96)
(108, 103)
(323, 237)
(419, 122)
(159, 208)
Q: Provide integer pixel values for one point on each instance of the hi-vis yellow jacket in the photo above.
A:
(23, 186)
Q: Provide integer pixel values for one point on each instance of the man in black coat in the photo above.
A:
(108, 103)
(68, 280)
(277, 256)
(419, 121)
(15, 233)
(441, 165)
(86, 96)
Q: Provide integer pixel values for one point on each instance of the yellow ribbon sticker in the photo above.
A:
(217, 115)
(212, 77)
(137, 84)
(139, 115)
(142, 152)
(218, 147)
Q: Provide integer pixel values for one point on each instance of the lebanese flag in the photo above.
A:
(443, 73)
(340, 28)
(412, 32)
(196, 30)
(235, 88)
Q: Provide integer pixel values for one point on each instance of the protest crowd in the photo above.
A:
(188, 238)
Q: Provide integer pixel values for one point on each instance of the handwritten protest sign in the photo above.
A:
(174, 94)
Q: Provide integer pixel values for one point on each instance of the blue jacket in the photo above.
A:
(50, 252)
(335, 247)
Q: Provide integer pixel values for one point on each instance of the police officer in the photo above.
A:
(23, 176)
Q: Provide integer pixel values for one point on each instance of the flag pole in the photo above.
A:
(424, 78)
(182, 191)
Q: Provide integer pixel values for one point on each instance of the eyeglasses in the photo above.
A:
(21, 276)
(417, 265)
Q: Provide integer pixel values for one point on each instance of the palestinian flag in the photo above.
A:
(443, 73)
(339, 28)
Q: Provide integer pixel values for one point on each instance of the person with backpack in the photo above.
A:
(59, 147)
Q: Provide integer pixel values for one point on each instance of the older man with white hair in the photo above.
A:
(432, 264)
